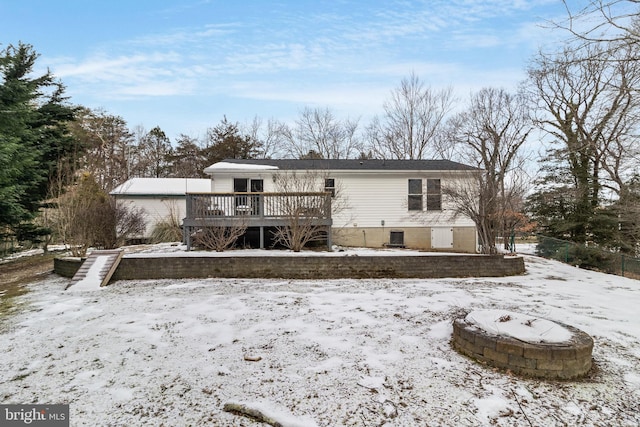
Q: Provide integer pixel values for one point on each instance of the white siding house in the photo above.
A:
(159, 197)
(375, 203)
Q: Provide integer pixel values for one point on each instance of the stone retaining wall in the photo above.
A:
(308, 267)
(67, 266)
(549, 361)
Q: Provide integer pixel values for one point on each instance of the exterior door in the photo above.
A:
(256, 186)
(248, 204)
(442, 238)
(240, 185)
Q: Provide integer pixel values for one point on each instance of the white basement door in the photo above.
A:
(442, 238)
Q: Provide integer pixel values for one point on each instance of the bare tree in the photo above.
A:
(319, 131)
(303, 202)
(617, 133)
(269, 134)
(58, 215)
(110, 152)
(610, 23)
(627, 210)
(589, 107)
(152, 152)
(301, 228)
(69, 216)
(490, 135)
(413, 118)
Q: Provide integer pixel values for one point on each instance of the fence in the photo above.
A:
(588, 257)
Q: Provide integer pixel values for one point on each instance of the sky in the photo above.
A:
(185, 64)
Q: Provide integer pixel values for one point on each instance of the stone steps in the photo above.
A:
(109, 260)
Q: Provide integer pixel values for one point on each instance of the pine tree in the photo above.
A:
(225, 141)
(33, 135)
(153, 151)
(187, 159)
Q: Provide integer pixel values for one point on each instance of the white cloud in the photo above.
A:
(103, 67)
(344, 96)
(186, 37)
(345, 58)
(149, 74)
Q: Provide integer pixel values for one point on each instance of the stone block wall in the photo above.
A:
(319, 267)
(67, 266)
(309, 267)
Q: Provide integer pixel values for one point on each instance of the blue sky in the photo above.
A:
(183, 65)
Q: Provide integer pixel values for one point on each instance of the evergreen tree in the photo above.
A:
(627, 212)
(153, 150)
(187, 160)
(33, 135)
(225, 141)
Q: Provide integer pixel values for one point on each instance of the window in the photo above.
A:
(330, 186)
(240, 185)
(257, 186)
(396, 238)
(415, 195)
(244, 185)
(434, 195)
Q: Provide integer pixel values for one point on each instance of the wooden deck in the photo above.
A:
(255, 210)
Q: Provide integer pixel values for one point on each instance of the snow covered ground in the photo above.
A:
(323, 353)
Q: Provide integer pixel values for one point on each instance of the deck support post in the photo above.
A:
(186, 236)
(261, 237)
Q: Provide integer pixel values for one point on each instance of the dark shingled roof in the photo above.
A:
(354, 164)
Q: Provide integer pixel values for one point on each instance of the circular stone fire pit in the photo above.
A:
(525, 345)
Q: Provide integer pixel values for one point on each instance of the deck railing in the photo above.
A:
(258, 205)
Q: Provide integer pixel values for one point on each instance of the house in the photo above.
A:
(161, 198)
(372, 203)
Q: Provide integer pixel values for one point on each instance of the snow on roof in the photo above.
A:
(163, 186)
(242, 166)
(339, 164)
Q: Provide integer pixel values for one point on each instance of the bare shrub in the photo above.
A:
(303, 202)
(85, 216)
(129, 221)
(302, 212)
(219, 238)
